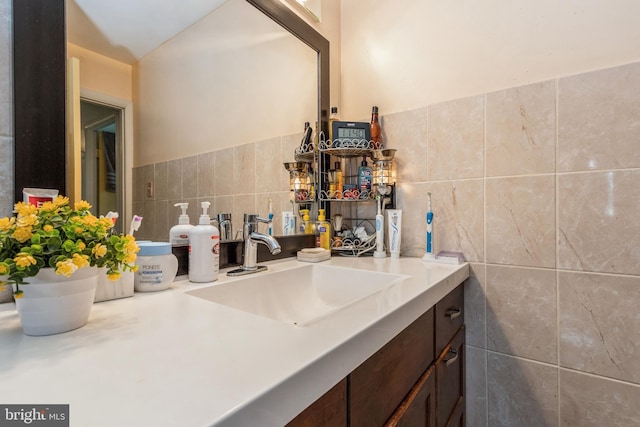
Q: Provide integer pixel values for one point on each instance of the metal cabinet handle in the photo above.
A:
(452, 313)
(451, 360)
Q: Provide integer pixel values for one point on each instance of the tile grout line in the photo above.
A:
(484, 256)
(557, 209)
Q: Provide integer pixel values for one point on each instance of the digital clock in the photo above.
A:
(354, 131)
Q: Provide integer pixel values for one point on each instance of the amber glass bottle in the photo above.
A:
(376, 133)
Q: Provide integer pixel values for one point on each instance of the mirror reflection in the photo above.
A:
(209, 102)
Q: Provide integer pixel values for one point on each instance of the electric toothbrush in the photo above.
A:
(379, 252)
(270, 229)
(429, 255)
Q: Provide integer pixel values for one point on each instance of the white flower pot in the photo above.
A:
(113, 289)
(53, 303)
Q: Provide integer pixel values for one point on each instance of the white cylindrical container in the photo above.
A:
(157, 267)
(179, 238)
(394, 217)
(204, 249)
(288, 223)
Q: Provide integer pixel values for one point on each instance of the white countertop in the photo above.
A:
(168, 358)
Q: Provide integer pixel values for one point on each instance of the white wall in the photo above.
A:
(232, 78)
(400, 57)
(101, 74)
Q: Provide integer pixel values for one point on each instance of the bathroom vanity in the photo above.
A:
(176, 358)
(417, 379)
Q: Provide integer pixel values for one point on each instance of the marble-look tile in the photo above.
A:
(206, 174)
(6, 176)
(598, 227)
(600, 324)
(142, 176)
(147, 227)
(160, 190)
(242, 204)
(599, 119)
(163, 222)
(174, 179)
(223, 172)
(591, 401)
(521, 312)
(520, 221)
(521, 393)
(407, 133)
(288, 145)
(456, 139)
(458, 217)
(476, 386)
(244, 169)
(521, 130)
(475, 306)
(190, 177)
(270, 174)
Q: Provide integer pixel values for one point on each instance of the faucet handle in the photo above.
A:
(253, 218)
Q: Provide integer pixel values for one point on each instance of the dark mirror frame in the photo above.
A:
(39, 86)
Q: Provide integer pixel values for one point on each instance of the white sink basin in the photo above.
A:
(299, 295)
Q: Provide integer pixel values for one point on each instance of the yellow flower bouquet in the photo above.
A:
(61, 237)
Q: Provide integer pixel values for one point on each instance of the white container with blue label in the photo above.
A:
(157, 267)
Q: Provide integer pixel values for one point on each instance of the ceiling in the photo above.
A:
(127, 30)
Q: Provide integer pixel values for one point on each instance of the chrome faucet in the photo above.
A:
(251, 239)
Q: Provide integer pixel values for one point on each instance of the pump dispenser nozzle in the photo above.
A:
(205, 218)
(183, 218)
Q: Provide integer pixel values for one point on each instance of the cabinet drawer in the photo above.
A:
(381, 383)
(330, 410)
(449, 317)
(419, 408)
(450, 379)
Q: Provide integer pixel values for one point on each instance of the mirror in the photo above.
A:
(27, 42)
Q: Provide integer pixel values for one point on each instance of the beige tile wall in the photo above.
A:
(538, 187)
(236, 180)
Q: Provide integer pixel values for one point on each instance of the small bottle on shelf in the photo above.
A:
(376, 133)
(324, 230)
(339, 180)
(364, 179)
(332, 118)
(306, 138)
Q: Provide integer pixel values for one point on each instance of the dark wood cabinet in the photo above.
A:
(379, 385)
(415, 380)
(449, 317)
(450, 379)
(328, 410)
(419, 408)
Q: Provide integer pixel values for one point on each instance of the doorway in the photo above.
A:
(102, 157)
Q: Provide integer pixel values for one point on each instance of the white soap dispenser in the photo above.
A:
(204, 249)
(179, 238)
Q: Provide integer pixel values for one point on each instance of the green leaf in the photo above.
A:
(53, 244)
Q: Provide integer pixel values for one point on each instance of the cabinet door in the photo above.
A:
(449, 317)
(380, 384)
(457, 419)
(450, 379)
(330, 410)
(419, 408)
